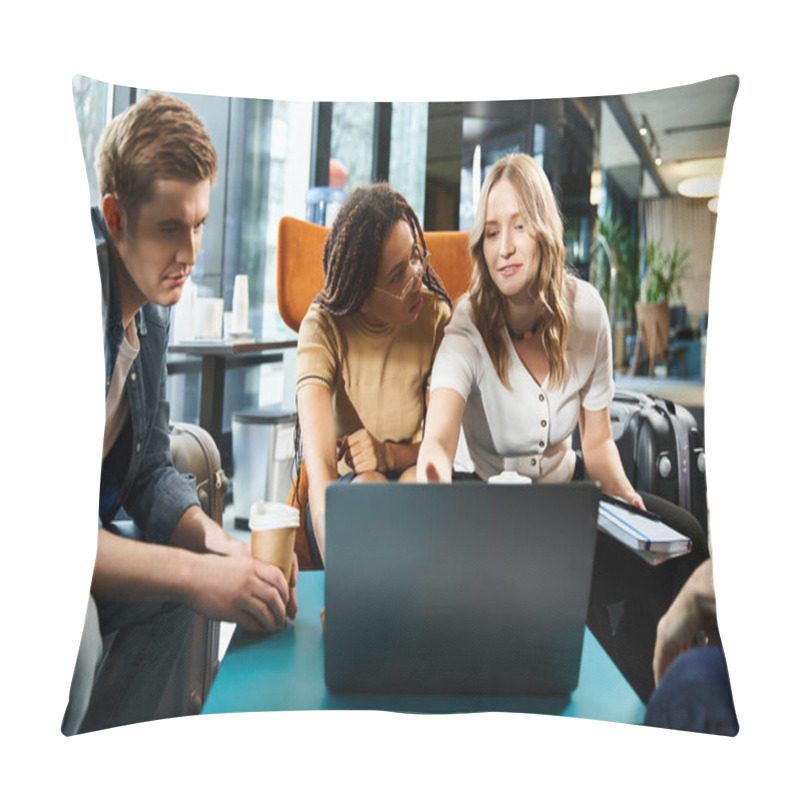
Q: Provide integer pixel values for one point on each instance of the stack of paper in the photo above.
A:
(640, 532)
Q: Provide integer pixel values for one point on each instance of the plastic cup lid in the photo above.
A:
(509, 477)
(265, 514)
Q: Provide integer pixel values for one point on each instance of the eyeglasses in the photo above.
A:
(419, 264)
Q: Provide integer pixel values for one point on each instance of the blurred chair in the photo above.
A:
(653, 339)
(300, 277)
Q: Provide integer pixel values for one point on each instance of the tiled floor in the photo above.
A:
(690, 393)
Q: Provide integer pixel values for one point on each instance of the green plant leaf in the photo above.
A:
(665, 272)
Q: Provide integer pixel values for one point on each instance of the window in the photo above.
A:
(264, 151)
(91, 109)
(352, 137)
(408, 152)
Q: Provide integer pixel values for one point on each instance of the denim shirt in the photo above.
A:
(137, 475)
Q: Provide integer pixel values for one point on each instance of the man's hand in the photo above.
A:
(693, 611)
(234, 587)
(243, 590)
(196, 531)
(363, 452)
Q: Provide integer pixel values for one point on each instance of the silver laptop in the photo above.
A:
(467, 588)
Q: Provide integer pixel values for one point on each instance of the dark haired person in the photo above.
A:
(366, 349)
(155, 165)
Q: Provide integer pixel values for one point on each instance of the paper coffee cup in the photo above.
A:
(240, 305)
(273, 527)
(207, 319)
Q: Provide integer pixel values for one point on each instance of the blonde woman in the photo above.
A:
(525, 359)
(527, 356)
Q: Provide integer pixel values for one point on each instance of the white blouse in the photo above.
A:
(528, 429)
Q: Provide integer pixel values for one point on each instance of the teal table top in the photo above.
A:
(285, 672)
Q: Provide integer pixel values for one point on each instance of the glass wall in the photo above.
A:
(407, 155)
(352, 141)
(263, 148)
(92, 104)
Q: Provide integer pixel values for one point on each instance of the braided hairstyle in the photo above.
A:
(350, 262)
(353, 248)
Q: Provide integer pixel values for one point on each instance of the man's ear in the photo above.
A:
(114, 216)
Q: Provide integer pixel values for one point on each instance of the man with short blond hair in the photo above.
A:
(156, 165)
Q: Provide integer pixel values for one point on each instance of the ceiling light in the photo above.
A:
(713, 204)
(701, 186)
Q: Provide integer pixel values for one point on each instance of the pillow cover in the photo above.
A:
(257, 144)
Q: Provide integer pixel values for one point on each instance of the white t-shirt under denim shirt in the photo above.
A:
(117, 407)
(528, 429)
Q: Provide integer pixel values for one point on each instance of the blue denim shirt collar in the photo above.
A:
(113, 331)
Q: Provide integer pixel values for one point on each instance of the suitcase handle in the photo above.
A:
(643, 400)
(667, 405)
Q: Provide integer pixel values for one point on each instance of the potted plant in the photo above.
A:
(617, 282)
(622, 244)
(665, 271)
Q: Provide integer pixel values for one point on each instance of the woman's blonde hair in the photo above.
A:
(541, 218)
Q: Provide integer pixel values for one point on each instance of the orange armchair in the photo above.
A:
(300, 277)
(300, 274)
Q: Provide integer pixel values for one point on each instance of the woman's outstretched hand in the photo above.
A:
(636, 500)
(429, 473)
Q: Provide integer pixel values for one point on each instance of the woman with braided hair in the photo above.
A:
(366, 349)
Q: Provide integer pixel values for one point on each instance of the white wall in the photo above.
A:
(692, 225)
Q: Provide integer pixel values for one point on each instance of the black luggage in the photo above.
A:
(662, 453)
(662, 450)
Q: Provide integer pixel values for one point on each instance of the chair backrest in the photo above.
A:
(300, 274)
(653, 322)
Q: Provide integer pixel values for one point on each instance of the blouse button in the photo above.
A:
(138, 447)
(541, 398)
(544, 423)
(533, 462)
(541, 444)
(133, 376)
